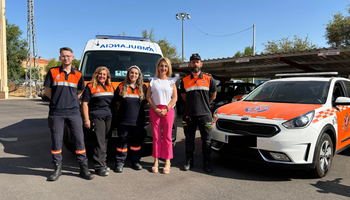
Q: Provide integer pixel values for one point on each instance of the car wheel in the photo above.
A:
(324, 157)
(67, 139)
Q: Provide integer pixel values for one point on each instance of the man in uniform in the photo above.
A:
(64, 86)
(198, 90)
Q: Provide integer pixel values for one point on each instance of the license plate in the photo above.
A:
(243, 141)
(114, 133)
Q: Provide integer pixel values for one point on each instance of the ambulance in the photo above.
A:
(297, 122)
(118, 53)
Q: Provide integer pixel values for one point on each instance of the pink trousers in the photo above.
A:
(162, 147)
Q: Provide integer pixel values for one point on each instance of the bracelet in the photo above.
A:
(85, 120)
(167, 109)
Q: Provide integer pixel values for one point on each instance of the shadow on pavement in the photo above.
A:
(27, 150)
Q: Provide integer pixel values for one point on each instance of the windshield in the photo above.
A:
(305, 92)
(118, 62)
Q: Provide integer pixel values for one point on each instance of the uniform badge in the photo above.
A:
(98, 90)
(256, 109)
(58, 77)
(203, 82)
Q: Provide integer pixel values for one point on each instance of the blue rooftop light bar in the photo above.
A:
(122, 37)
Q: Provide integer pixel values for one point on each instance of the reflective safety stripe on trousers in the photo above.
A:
(56, 152)
(135, 148)
(80, 151)
(122, 150)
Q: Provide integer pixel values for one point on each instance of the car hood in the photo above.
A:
(285, 111)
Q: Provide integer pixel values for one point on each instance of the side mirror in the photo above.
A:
(342, 101)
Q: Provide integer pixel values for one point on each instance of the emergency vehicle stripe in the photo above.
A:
(80, 151)
(132, 96)
(135, 148)
(197, 88)
(327, 113)
(102, 94)
(65, 84)
(122, 150)
(56, 152)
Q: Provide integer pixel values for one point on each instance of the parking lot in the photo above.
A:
(25, 165)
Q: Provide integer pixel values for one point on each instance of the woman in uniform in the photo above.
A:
(129, 100)
(97, 112)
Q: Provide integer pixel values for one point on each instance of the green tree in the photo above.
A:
(16, 48)
(285, 44)
(338, 29)
(54, 63)
(168, 50)
(247, 52)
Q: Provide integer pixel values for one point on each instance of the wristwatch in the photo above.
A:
(85, 120)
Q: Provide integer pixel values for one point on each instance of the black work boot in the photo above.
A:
(104, 171)
(84, 171)
(206, 164)
(189, 162)
(57, 171)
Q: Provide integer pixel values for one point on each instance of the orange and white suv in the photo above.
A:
(299, 122)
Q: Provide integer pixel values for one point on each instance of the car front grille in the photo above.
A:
(247, 128)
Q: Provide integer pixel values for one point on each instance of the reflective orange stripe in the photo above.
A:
(80, 151)
(122, 150)
(135, 148)
(136, 91)
(56, 152)
(196, 83)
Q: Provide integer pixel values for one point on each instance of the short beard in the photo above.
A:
(195, 69)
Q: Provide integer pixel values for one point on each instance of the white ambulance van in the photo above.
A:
(118, 53)
(298, 122)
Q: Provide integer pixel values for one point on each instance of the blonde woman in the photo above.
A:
(162, 96)
(129, 100)
(97, 112)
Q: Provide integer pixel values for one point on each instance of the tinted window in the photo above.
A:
(118, 62)
(306, 92)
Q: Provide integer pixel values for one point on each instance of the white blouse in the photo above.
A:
(162, 90)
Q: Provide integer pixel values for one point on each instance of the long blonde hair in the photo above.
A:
(94, 80)
(127, 83)
(170, 71)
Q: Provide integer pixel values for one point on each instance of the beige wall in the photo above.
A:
(3, 60)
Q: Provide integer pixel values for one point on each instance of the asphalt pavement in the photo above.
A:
(25, 165)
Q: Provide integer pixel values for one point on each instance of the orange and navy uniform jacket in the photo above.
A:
(131, 111)
(197, 93)
(100, 100)
(64, 87)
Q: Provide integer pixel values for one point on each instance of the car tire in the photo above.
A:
(67, 139)
(324, 157)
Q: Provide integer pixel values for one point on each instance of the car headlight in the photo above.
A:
(301, 121)
(215, 116)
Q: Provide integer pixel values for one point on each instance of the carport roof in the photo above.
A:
(334, 59)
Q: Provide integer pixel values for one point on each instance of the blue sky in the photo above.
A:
(73, 22)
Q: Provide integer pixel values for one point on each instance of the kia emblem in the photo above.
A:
(244, 118)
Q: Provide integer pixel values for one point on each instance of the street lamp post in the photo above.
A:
(183, 16)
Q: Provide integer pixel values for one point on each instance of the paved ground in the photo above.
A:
(25, 165)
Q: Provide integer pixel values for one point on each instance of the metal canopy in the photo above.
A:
(267, 65)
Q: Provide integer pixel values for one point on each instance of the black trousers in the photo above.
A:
(100, 127)
(75, 124)
(205, 126)
(134, 133)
